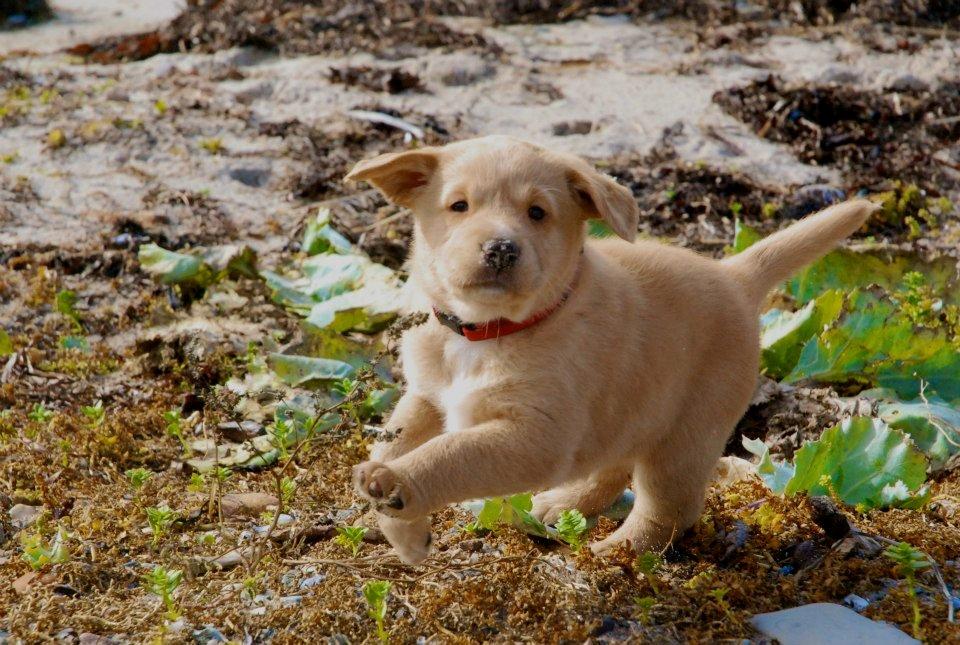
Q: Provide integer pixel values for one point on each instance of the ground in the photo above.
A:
(234, 124)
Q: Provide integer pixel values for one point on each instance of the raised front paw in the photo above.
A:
(384, 489)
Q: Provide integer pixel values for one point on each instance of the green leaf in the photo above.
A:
(296, 370)
(172, 267)
(744, 236)
(857, 459)
(320, 237)
(871, 343)
(933, 425)
(6, 343)
(784, 333)
(776, 475)
(845, 270)
(201, 268)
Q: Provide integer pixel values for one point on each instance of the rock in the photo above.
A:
(253, 177)
(566, 128)
(828, 517)
(825, 623)
(209, 634)
(856, 603)
(239, 432)
(291, 601)
(23, 515)
(312, 581)
(87, 638)
(246, 503)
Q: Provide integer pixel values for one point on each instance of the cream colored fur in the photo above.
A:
(639, 376)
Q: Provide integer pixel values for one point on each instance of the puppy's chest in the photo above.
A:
(456, 384)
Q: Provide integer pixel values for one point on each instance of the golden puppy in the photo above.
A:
(562, 364)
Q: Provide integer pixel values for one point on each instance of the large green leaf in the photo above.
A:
(857, 460)
(933, 425)
(784, 333)
(340, 292)
(172, 267)
(845, 270)
(200, 268)
(296, 370)
(873, 344)
(776, 475)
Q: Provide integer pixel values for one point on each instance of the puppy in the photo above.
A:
(562, 364)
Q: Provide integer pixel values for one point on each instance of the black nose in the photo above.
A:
(500, 254)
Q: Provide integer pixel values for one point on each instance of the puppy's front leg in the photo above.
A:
(413, 422)
(498, 457)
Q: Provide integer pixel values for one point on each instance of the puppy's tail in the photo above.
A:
(772, 260)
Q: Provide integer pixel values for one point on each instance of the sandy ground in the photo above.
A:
(79, 21)
(621, 84)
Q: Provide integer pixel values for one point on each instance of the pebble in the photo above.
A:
(856, 603)
(824, 623)
(23, 515)
(209, 634)
(291, 601)
(312, 581)
(246, 503)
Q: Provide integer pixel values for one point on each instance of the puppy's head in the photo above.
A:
(499, 222)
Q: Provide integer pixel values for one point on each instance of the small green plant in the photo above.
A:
(719, 596)
(670, 194)
(769, 210)
(40, 414)
(645, 604)
(38, 554)
(909, 561)
(736, 208)
(648, 564)
(222, 474)
(571, 525)
(281, 436)
(66, 302)
(213, 145)
(375, 593)
(288, 488)
(175, 428)
(351, 538)
(160, 519)
(197, 483)
(95, 413)
(252, 586)
(163, 582)
(160, 106)
(9, 157)
(138, 477)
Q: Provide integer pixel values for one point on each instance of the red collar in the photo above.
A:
(499, 327)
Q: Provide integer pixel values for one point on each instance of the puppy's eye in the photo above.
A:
(536, 213)
(459, 207)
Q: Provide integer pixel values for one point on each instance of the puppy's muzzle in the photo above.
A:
(500, 254)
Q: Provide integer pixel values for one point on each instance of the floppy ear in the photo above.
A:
(602, 197)
(398, 175)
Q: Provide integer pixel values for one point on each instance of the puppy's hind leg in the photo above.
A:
(590, 495)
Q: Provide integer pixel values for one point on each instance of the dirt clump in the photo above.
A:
(870, 136)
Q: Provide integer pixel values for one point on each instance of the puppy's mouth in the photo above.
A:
(489, 281)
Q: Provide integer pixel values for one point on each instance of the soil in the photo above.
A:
(276, 161)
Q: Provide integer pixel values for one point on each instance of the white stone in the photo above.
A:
(825, 623)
